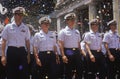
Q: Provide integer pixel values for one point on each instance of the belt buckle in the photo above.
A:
(48, 52)
(18, 46)
(98, 50)
(73, 49)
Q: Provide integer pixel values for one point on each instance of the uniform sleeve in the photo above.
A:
(79, 38)
(119, 44)
(61, 35)
(31, 41)
(55, 41)
(28, 34)
(35, 40)
(106, 38)
(58, 49)
(4, 34)
(82, 46)
(87, 38)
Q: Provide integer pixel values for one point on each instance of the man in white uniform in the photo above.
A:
(111, 41)
(16, 37)
(45, 50)
(95, 58)
(69, 39)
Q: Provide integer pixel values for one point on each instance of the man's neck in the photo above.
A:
(18, 23)
(45, 31)
(71, 27)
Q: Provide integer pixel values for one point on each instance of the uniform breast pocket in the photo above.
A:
(100, 38)
(68, 36)
(118, 37)
(51, 41)
(23, 33)
(51, 38)
(112, 39)
(12, 32)
(92, 37)
(41, 39)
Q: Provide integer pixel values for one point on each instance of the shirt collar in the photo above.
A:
(42, 32)
(14, 24)
(67, 28)
(93, 32)
(112, 32)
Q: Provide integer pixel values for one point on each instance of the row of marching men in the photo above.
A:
(23, 54)
(102, 52)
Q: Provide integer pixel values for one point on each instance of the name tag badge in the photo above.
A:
(48, 52)
(22, 30)
(51, 37)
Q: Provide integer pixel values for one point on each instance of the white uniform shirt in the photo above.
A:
(112, 39)
(45, 42)
(94, 40)
(70, 37)
(16, 36)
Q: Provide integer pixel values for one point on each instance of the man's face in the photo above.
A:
(94, 27)
(113, 27)
(71, 22)
(45, 25)
(18, 16)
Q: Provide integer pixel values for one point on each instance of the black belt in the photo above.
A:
(16, 47)
(48, 52)
(114, 48)
(71, 48)
(95, 50)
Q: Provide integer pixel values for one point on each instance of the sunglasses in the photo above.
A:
(19, 14)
